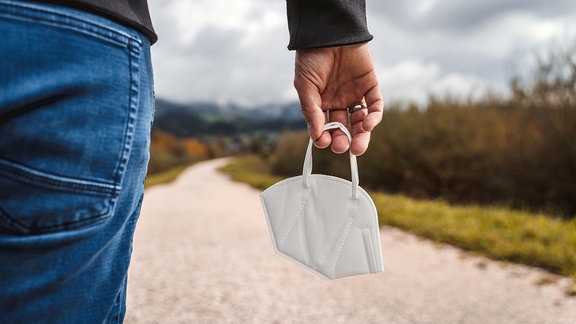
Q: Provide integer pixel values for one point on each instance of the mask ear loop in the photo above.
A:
(307, 168)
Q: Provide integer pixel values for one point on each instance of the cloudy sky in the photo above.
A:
(235, 50)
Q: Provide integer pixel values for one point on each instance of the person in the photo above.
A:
(76, 107)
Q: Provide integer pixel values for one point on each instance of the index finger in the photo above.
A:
(311, 105)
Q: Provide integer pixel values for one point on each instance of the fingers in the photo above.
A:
(311, 102)
(375, 105)
(340, 141)
(360, 143)
(363, 121)
(330, 79)
(360, 136)
(315, 122)
(360, 122)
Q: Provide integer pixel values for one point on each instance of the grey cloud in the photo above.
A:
(221, 64)
(477, 39)
(457, 15)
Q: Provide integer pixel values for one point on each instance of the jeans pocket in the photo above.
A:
(34, 201)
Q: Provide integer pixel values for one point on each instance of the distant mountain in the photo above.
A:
(210, 119)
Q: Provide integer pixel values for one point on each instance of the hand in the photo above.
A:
(333, 79)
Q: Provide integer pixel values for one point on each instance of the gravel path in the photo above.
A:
(202, 254)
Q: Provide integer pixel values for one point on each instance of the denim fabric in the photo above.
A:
(76, 106)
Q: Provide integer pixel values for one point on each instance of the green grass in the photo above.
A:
(164, 176)
(252, 170)
(532, 239)
(499, 233)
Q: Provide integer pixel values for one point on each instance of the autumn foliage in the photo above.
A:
(167, 151)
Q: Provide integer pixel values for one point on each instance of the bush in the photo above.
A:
(167, 151)
(491, 152)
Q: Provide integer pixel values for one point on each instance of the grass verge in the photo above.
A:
(499, 233)
(252, 170)
(164, 176)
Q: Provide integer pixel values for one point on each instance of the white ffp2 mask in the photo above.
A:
(325, 224)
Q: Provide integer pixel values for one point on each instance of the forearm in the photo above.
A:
(326, 23)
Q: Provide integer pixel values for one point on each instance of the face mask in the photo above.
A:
(325, 224)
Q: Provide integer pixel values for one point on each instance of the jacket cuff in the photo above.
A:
(326, 23)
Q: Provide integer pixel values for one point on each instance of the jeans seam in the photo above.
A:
(62, 20)
(133, 101)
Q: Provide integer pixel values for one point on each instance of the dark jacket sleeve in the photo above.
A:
(133, 13)
(326, 23)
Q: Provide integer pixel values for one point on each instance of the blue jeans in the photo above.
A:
(76, 107)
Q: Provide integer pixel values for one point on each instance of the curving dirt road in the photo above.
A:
(202, 254)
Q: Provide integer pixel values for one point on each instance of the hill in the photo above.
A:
(202, 120)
